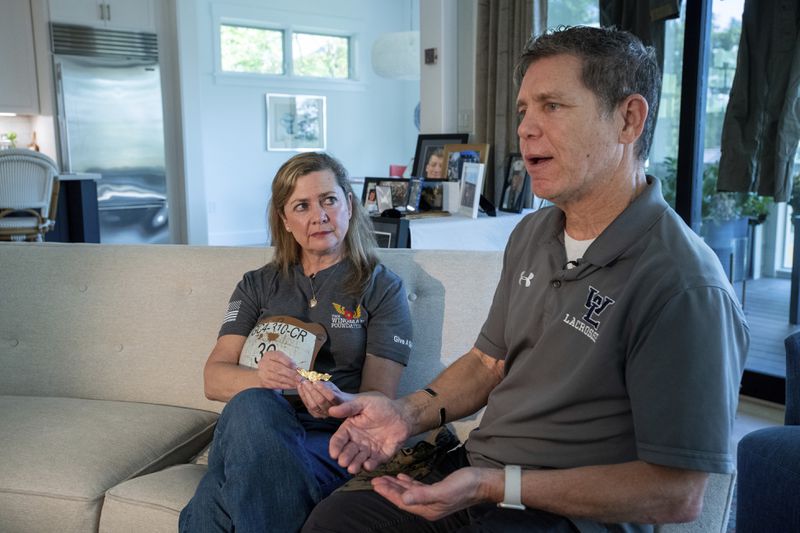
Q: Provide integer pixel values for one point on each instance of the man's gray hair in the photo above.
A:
(615, 65)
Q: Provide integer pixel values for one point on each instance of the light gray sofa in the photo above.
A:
(102, 411)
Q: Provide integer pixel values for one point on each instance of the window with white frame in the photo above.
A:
(257, 50)
(321, 56)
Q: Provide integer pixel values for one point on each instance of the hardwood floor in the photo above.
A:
(766, 306)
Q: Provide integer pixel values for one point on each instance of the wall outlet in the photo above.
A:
(465, 120)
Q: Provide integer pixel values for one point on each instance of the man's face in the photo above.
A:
(569, 144)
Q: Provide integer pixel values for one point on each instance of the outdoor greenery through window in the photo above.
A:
(726, 28)
(322, 56)
(573, 13)
(256, 50)
(261, 51)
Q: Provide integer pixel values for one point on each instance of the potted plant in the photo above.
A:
(721, 206)
(723, 222)
(726, 215)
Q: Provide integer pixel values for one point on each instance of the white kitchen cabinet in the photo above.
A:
(18, 87)
(134, 15)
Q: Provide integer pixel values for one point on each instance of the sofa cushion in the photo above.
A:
(60, 455)
(155, 500)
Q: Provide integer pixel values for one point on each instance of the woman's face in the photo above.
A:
(317, 214)
(434, 167)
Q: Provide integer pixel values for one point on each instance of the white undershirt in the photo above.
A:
(575, 248)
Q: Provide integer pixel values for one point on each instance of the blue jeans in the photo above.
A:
(268, 466)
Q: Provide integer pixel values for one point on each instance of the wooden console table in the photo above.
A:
(454, 232)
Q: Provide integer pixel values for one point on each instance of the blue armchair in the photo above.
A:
(768, 489)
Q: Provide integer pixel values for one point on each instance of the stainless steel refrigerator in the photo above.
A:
(110, 123)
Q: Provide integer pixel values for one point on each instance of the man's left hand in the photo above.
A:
(459, 490)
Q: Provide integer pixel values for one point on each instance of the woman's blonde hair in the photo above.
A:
(359, 242)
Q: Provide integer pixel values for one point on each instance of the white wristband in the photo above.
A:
(512, 496)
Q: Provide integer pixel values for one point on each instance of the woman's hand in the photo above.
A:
(319, 396)
(276, 370)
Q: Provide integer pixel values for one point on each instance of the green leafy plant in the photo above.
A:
(13, 138)
(669, 179)
(719, 206)
(794, 199)
(756, 207)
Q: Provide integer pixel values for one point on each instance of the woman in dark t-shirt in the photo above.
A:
(269, 462)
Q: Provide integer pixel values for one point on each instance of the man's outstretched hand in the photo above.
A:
(457, 491)
(374, 429)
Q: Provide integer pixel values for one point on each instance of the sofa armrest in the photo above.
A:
(792, 345)
(768, 491)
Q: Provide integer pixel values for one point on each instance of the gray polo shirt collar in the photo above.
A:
(630, 226)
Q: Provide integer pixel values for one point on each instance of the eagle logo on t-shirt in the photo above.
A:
(349, 315)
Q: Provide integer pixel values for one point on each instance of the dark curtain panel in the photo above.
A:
(762, 121)
(645, 19)
(504, 26)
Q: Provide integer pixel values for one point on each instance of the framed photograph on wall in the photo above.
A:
(380, 194)
(471, 186)
(455, 155)
(517, 184)
(296, 122)
(429, 155)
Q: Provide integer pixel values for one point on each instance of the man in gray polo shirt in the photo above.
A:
(610, 360)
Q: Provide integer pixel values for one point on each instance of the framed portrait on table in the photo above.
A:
(517, 185)
(431, 196)
(391, 232)
(429, 155)
(384, 193)
(455, 155)
(471, 186)
(414, 193)
(369, 198)
(295, 122)
(380, 194)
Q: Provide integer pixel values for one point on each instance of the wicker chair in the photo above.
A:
(28, 195)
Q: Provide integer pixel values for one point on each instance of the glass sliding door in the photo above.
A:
(759, 261)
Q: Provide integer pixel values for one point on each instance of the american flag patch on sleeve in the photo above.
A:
(233, 311)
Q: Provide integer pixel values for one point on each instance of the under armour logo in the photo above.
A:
(596, 304)
(527, 279)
